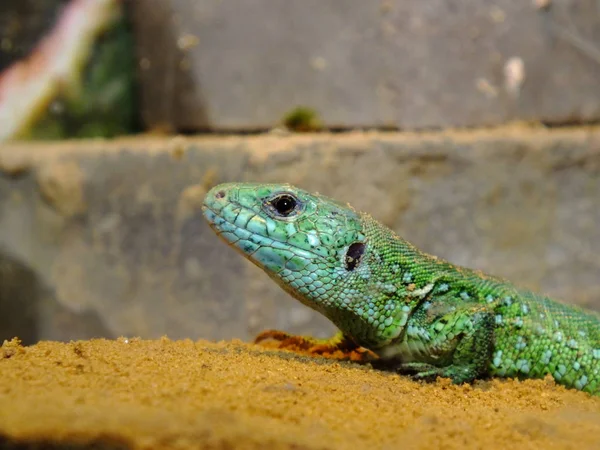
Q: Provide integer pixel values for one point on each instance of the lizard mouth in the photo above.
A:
(226, 230)
(215, 201)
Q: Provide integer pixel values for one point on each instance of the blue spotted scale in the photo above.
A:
(422, 316)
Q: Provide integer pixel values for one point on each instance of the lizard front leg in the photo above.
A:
(313, 345)
(337, 343)
(460, 347)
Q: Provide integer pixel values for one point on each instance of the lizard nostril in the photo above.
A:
(220, 194)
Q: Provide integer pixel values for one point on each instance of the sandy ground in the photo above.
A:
(185, 394)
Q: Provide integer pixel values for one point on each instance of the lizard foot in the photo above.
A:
(420, 371)
(338, 346)
(428, 372)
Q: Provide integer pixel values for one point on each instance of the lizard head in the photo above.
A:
(315, 248)
(304, 241)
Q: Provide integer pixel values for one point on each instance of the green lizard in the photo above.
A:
(421, 315)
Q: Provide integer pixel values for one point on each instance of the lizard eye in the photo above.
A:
(284, 204)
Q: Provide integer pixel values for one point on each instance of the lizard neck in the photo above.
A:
(393, 281)
(373, 303)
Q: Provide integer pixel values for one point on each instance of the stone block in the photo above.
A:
(407, 64)
(106, 238)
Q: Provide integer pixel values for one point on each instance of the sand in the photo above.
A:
(132, 393)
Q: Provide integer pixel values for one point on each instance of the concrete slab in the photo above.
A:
(107, 237)
(208, 64)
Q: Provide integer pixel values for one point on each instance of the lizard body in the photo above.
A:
(421, 315)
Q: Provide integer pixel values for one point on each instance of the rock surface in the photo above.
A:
(208, 64)
(106, 238)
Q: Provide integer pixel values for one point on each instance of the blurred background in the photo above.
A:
(470, 127)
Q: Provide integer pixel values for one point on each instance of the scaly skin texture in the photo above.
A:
(421, 315)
